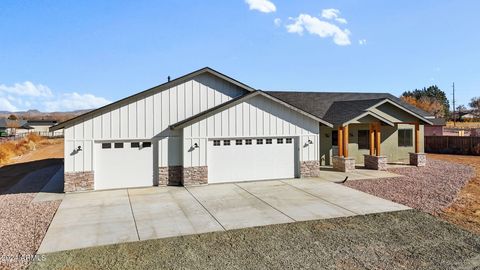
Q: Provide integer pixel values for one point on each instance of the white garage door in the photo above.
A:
(251, 159)
(123, 164)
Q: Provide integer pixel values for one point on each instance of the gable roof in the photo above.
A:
(338, 107)
(5, 122)
(238, 100)
(154, 90)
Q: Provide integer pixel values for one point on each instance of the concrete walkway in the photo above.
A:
(116, 216)
(328, 174)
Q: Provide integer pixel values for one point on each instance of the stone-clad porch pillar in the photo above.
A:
(375, 161)
(342, 162)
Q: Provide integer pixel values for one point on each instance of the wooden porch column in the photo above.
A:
(378, 140)
(340, 141)
(417, 138)
(372, 140)
(345, 140)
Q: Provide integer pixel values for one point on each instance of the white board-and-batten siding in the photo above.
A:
(258, 117)
(147, 119)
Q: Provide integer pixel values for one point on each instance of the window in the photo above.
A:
(216, 142)
(335, 138)
(226, 142)
(119, 145)
(288, 140)
(248, 141)
(363, 141)
(238, 142)
(135, 145)
(405, 137)
(268, 141)
(259, 141)
(279, 141)
(106, 145)
(146, 144)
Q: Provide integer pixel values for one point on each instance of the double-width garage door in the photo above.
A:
(236, 160)
(123, 164)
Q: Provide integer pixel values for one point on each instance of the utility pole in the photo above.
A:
(454, 109)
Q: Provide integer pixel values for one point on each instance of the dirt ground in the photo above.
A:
(48, 153)
(465, 211)
(23, 223)
(396, 240)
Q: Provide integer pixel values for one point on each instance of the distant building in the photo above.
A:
(12, 127)
(437, 129)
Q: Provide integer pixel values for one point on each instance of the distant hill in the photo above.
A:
(38, 115)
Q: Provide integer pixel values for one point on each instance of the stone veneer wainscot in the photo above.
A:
(78, 181)
(195, 176)
(310, 168)
(170, 176)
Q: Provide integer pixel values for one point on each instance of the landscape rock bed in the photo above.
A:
(429, 189)
(23, 223)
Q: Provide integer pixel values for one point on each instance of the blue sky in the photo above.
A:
(65, 55)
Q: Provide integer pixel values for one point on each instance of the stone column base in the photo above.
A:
(193, 176)
(343, 164)
(418, 159)
(375, 162)
(170, 176)
(310, 168)
(78, 181)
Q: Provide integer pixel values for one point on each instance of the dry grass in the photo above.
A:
(463, 124)
(11, 149)
(465, 211)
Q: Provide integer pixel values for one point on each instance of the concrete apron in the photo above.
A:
(116, 216)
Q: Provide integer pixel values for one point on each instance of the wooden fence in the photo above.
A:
(452, 145)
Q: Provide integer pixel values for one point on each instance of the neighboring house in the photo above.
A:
(470, 116)
(437, 127)
(13, 127)
(43, 127)
(206, 127)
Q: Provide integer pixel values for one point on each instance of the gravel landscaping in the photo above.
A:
(396, 240)
(23, 223)
(430, 189)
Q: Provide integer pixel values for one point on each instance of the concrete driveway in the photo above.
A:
(108, 217)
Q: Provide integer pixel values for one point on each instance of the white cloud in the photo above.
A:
(5, 105)
(330, 13)
(333, 14)
(362, 42)
(277, 22)
(264, 6)
(75, 101)
(27, 89)
(27, 95)
(323, 29)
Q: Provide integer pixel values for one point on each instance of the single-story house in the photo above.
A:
(42, 127)
(13, 127)
(206, 127)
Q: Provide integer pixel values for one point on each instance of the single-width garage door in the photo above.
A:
(123, 165)
(251, 159)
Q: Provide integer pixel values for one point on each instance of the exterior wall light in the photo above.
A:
(195, 145)
(79, 148)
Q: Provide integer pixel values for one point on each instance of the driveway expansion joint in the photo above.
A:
(323, 199)
(205, 208)
(133, 214)
(265, 202)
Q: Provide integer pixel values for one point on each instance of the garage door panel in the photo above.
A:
(123, 167)
(233, 163)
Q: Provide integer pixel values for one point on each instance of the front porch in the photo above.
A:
(374, 145)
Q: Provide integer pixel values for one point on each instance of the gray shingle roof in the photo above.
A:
(336, 107)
